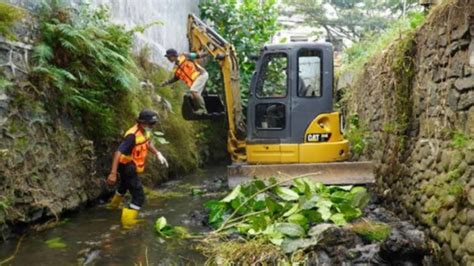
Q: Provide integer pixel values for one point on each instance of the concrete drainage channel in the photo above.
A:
(94, 236)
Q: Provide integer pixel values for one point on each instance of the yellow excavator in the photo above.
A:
(291, 127)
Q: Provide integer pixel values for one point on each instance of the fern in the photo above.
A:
(42, 53)
(85, 62)
(4, 83)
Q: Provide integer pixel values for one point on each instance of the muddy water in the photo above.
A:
(94, 236)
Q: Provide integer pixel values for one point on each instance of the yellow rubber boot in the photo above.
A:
(129, 217)
(115, 202)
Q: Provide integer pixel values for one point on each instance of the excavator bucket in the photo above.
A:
(214, 106)
(334, 173)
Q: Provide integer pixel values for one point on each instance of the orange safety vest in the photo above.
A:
(139, 152)
(186, 70)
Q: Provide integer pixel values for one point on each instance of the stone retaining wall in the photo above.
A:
(422, 134)
(46, 167)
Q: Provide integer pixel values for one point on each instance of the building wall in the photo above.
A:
(171, 13)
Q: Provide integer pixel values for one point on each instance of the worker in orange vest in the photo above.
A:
(129, 161)
(191, 73)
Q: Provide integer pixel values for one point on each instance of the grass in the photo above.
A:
(162, 194)
(239, 252)
(357, 134)
(372, 231)
(359, 53)
(460, 140)
(9, 15)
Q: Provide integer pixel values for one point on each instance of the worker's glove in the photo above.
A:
(162, 159)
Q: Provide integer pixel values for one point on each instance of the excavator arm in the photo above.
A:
(203, 38)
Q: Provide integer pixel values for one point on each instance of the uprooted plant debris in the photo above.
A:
(308, 223)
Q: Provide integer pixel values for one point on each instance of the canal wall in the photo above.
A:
(415, 101)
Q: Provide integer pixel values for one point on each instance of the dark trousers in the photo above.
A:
(129, 181)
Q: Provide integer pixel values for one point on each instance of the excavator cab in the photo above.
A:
(290, 116)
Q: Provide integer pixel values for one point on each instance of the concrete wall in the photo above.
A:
(424, 169)
(172, 13)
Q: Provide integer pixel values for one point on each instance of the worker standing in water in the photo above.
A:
(129, 161)
(191, 73)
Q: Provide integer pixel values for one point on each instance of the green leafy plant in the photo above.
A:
(167, 231)
(276, 213)
(9, 15)
(248, 25)
(357, 134)
(84, 63)
(373, 43)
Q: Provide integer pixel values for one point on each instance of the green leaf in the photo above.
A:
(273, 235)
(312, 215)
(217, 211)
(259, 184)
(338, 219)
(308, 201)
(350, 212)
(160, 223)
(294, 208)
(290, 229)
(56, 243)
(360, 197)
(243, 228)
(181, 232)
(291, 245)
(299, 219)
(286, 194)
(340, 196)
(325, 212)
(345, 188)
(318, 230)
(324, 202)
(259, 222)
(300, 185)
(234, 194)
(272, 206)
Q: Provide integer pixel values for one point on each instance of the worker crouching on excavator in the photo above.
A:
(129, 161)
(191, 73)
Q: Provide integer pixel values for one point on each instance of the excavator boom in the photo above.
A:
(203, 38)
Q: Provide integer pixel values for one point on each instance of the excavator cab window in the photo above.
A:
(309, 73)
(274, 77)
(270, 116)
(273, 83)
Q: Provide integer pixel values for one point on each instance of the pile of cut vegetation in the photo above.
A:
(307, 222)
